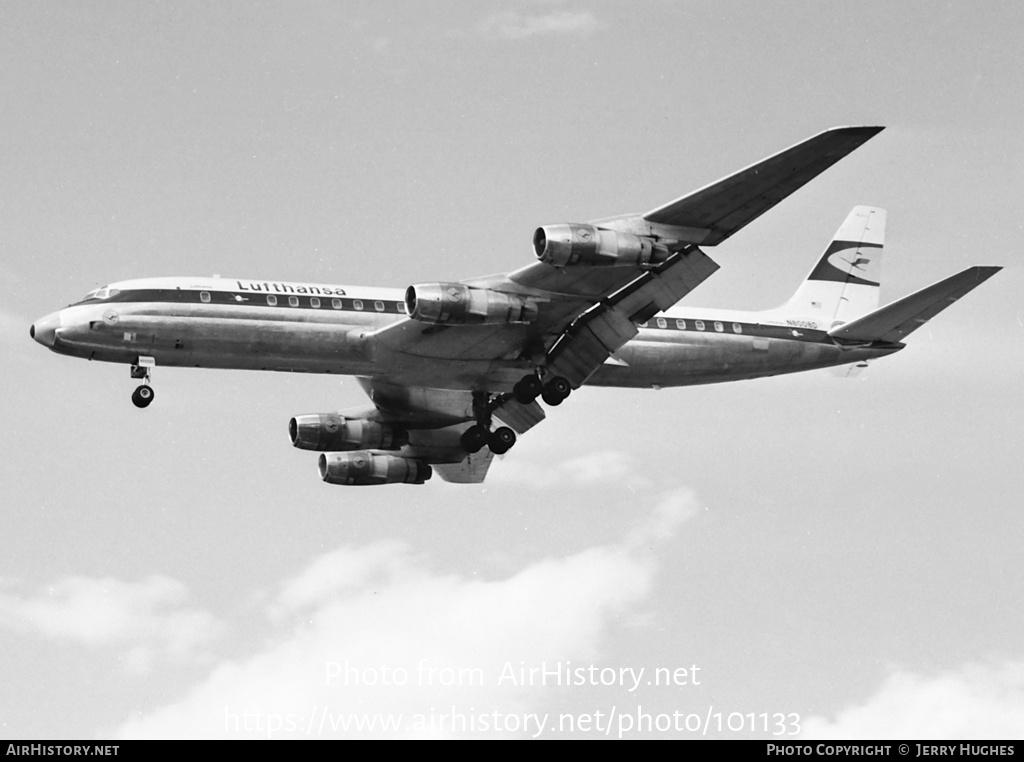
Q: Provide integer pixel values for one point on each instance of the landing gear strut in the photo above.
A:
(144, 394)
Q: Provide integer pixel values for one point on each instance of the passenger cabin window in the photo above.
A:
(314, 302)
(737, 328)
(681, 325)
(336, 303)
(357, 304)
(719, 327)
(293, 301)
(271, 300)
(662, 323)
(204, 297)
(699, 324)
(379, 306)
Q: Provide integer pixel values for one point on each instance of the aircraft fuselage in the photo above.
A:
(264, 325)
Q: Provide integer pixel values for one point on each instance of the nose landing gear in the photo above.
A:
(144, 394)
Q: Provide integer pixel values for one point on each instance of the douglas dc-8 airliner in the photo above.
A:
(454, 370)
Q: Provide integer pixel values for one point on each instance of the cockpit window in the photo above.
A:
(102, 293)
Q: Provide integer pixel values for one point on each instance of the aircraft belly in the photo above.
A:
(711, 359)
(464, 375)
(221, 343)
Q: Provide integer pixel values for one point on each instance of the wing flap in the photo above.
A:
(724, 207)
(895, 321)
(596, 334)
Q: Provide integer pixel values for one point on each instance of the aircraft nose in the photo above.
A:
(44, 330)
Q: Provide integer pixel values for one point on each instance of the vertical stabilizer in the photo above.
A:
(844, 284)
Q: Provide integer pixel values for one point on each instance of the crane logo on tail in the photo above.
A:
(848, 261)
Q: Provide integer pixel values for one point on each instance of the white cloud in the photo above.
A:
(607, 467)
(374, 633)
(513, 25)
(346, 568)
(147, 618)
(674, 509)
(974, 702)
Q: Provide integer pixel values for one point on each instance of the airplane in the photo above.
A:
(454, 370)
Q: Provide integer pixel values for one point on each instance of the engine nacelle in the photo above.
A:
(361, 468)
(333, 432)
(454, 303)
(573, 244)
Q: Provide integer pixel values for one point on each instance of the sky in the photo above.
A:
(795, 557)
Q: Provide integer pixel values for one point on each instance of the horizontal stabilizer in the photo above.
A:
(722, 208)
(895, 321)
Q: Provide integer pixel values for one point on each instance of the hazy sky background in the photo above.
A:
(845, 550)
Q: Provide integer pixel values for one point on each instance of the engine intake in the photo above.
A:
(364, 468)
(572, 244)
(333, 432)
(456, 304)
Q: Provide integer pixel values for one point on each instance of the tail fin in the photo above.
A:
(895, 321)
(844, 284)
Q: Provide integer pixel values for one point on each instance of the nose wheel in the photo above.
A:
(143, 396)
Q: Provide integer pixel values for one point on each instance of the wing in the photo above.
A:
(585, 313)
(565, 316)
(718, 210)
(561, 295)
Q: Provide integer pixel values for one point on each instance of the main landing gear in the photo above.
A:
(475, 437)
(144, 394)
(500, 440)
(526, 390)
(530, 387)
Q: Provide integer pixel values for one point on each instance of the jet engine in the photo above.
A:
(573, 244)
(333, 432)
(362, 467)
(454, 303)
